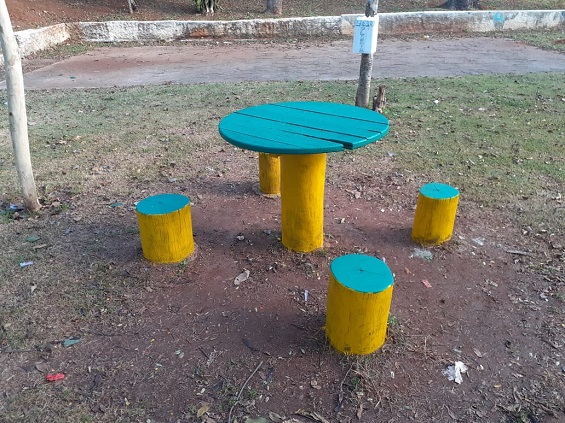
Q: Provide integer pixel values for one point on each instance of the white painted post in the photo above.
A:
(17, 109)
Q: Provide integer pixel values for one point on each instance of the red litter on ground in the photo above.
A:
(426, 283)
(52, 377)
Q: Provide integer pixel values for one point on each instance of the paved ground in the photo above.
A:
(312, 60)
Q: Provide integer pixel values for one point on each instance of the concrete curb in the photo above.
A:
(34, 40)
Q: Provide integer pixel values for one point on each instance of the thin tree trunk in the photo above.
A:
(274, 7)
(364, 85)
(17, 109)
(366, 68)
(132, 5)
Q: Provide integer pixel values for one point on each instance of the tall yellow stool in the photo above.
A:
(165, 228)
(269, 174)
(435, 214)
(359, 297)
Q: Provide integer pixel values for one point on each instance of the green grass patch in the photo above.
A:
(548, 40)
(497, 137)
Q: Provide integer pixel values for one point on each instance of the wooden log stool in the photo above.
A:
(435, 214)
(269, 174)
(359, 297)
(165, 228)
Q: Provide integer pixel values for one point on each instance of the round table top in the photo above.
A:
(305, 127)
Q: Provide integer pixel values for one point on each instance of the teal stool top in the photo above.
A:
(162, 204)
(362, 273)
(439, 191)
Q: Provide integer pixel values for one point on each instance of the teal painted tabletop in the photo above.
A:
(308, 127)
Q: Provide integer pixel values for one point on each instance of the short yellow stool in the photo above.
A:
(359, 297)
(165, 228)
(435, 214)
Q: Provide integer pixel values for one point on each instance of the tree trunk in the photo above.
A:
(205, 6)
(366, 68)
(132, 5)
(274, 7)
(17, 109)
(364, 85)
(461, 4)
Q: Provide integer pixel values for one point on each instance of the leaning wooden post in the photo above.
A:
(365, 42)
(17, 109)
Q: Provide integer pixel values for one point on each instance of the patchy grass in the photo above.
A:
(498, 138)
(549, 40)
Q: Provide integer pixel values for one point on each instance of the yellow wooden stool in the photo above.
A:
(165, 228)
(435, 214)
(269, 174)
(359, 297)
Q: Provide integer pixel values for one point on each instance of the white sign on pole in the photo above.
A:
(365, 35)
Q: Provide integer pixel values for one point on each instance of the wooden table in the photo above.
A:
(302, 133)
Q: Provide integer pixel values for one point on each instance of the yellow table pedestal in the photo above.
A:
(269, 174)
(302, 201)
(435, 214)
(359, 298)
(165, 228)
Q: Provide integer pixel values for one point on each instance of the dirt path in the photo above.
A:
(261, 61)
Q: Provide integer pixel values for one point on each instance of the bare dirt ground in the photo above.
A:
(177, 343)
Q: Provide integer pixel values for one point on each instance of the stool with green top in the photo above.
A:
(435, 214)
(359, 298)
(165, 228)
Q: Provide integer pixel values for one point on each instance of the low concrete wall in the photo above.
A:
(475, 21)
(390, 24)
(120, 31)
(33, 40)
